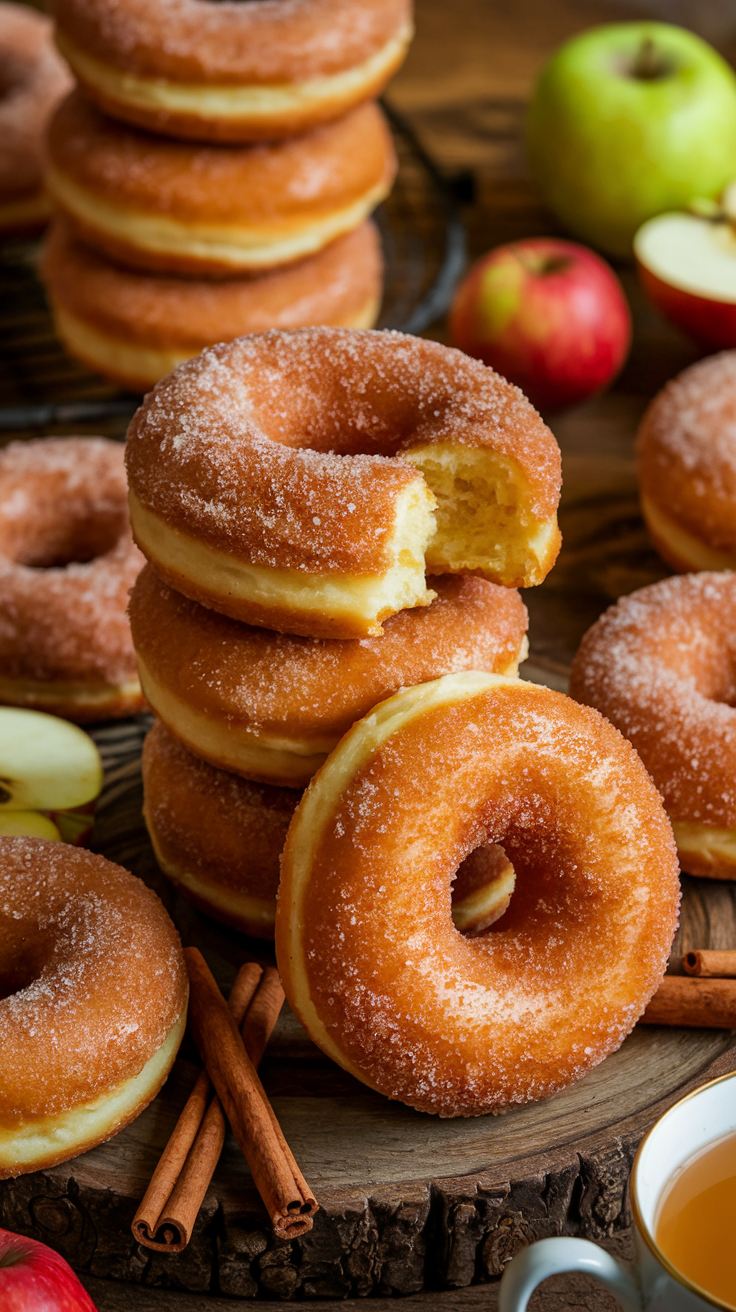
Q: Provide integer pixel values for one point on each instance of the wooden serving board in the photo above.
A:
(407, 1201)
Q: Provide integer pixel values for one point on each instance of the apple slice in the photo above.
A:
(27, 824)
(46, 764)
(687, 266)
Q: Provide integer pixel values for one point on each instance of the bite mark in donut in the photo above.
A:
(369, 957)
(289, 479)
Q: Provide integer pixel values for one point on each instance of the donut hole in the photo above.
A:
(54, 537)
(482, 889)
(22, 961)
(14, 72)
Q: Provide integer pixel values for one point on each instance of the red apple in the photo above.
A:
(687, 266)
(33, 1278)
(548, 314)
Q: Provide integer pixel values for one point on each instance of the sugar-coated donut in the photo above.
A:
(32, 79)
(686, 457)
(367, 951)
(217, 837)
(304, 481)
(271, 706)
(661, 666)
(174, 207)
(136, 327)
(93, 996)
(232, 72)
(67, 564)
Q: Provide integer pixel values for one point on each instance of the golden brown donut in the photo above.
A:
(305, 481)
(32, 79)
(270, 706)
(217, 837)
(93, 997)
(661, 666)
(67, 564)
(136, 327)
(686, 456)
(369, 957)
(174, 207)
(232, 72)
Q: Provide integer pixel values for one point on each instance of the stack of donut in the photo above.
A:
(478, 886)
(328, 516)
(213, 173)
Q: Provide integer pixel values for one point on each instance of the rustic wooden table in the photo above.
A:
(464, 88)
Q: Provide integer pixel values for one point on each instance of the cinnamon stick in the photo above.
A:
(698, 1003)
(709, 964)
(165, 1219)
(285, 1193)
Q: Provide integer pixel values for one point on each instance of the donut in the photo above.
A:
(291, 479)
(219, 838)
(135, 327)
(173, 207)
(93, 998)
(270, 706)
(661, 666)
(686, 458)
(32, 79)
(226, 72)
(370, 959)
(67, 564)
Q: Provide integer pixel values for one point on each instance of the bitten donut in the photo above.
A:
(686, 456)
(369, 957)
(135, 327)
(67, 564)
(174, 207)
(92, 1005)
(250, 72)
(661, 666)
(305, 481)
(271, 706)
(218, 838)
(32, 80)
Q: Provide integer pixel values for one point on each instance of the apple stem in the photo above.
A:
(542, 264)
(649, 63)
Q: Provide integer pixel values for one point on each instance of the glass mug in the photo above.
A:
(654, 1285)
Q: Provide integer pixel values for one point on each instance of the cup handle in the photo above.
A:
(549, 1257)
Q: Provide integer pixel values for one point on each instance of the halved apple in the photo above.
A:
(687, 266)
(46, 764)
(27, 824)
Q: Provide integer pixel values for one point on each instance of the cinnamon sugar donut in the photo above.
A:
(369, 957)
(135, 327)
(174, 207)
(686, 455)
(661, 666)
(67, 563)
(217, 837)
(32, 79)
(271, 706)
(305, 481)
(93, 996)
(232, 72)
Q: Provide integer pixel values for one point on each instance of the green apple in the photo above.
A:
(627, 121)
(27, 824)
(46, 764)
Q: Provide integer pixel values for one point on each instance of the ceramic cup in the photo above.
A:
(654, 1284)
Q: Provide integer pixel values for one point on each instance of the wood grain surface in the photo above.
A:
(410, 1203)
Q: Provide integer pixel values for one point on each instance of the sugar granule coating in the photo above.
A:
(686, 450)
(93, 973)
(284, 448)
(65, 500)
(262, 42)
(33, 78)
(314, 689)
(365, 943)
(661, 666)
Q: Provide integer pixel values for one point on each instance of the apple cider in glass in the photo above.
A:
(696, 1220)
